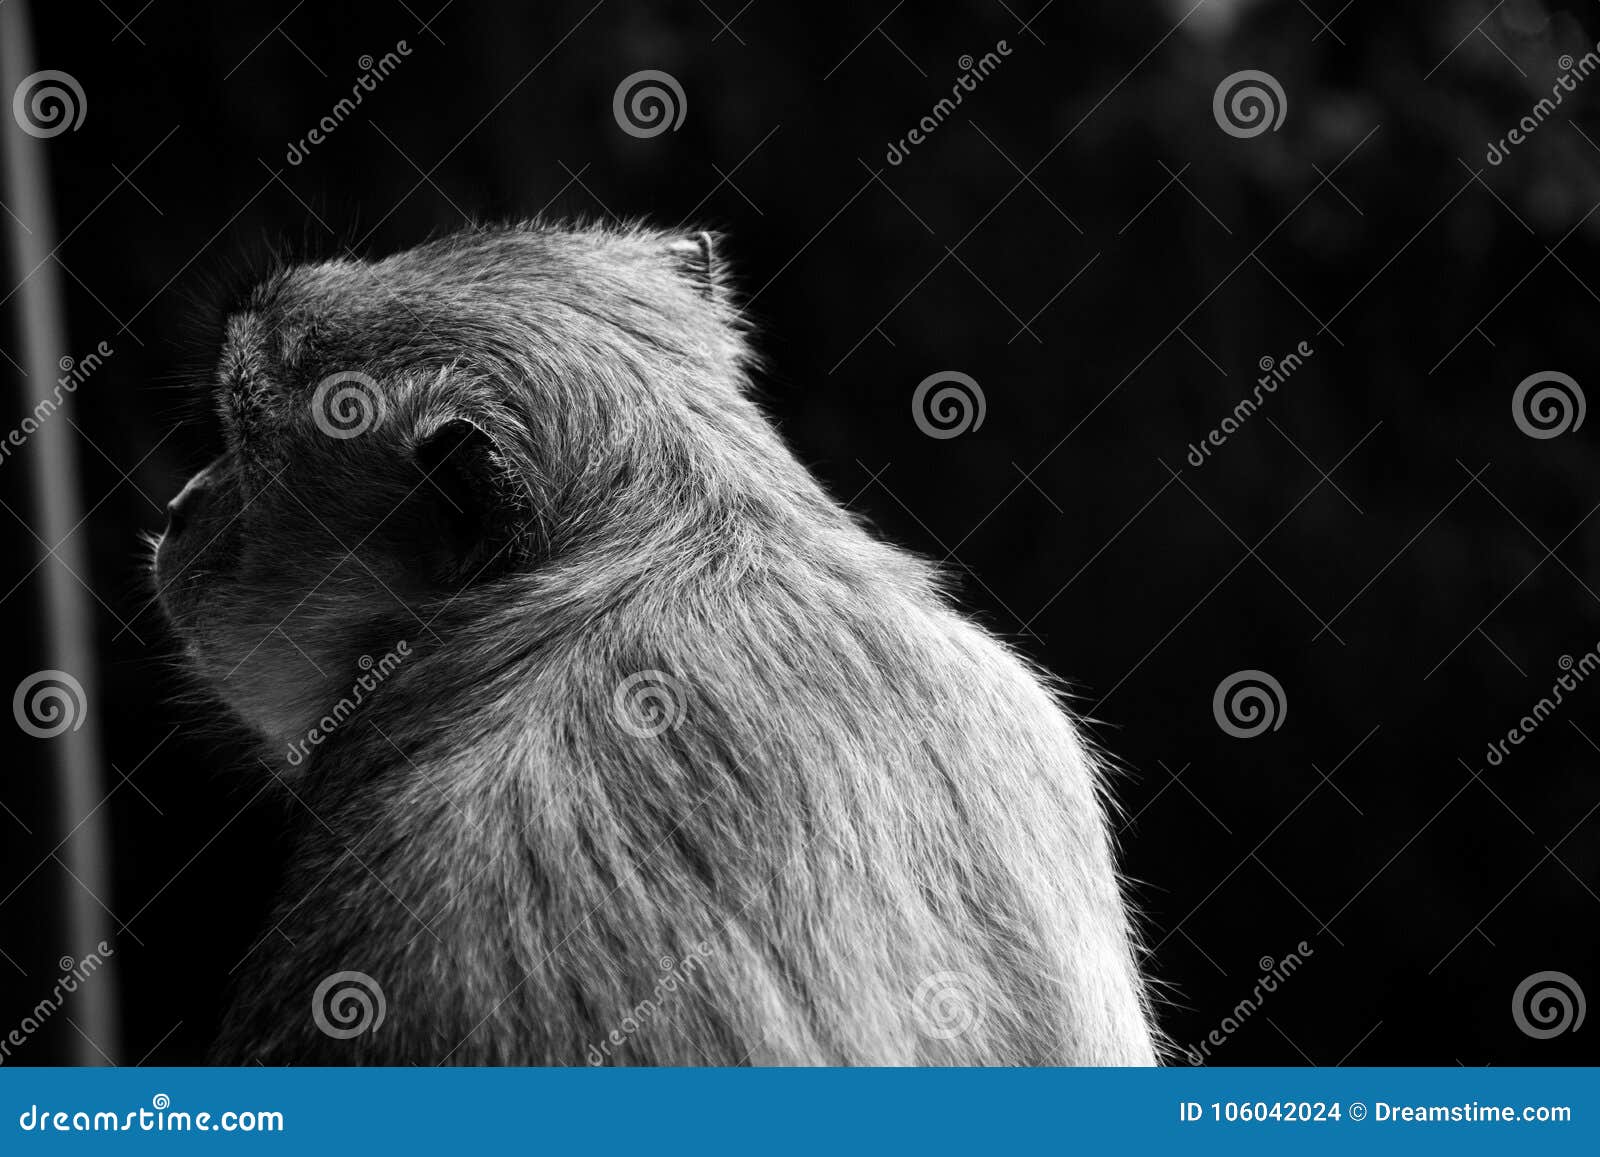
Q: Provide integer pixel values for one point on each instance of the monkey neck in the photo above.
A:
(715, 531)
(745, 547)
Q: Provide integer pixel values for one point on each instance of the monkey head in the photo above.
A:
(406, 436)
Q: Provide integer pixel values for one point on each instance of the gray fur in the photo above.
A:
(873, 824)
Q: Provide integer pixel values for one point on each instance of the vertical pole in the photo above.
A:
(68, 617)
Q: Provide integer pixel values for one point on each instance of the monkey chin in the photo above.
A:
(250, 687)
(258, 677)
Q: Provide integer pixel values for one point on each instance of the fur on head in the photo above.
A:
(669, 701)
(401, 430)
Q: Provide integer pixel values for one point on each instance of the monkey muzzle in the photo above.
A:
(182, 510)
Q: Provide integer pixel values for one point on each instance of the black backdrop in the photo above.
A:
(1083, 239)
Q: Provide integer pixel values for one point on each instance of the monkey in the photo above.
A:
(668, 758)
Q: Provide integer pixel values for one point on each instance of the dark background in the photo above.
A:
(1084, 189)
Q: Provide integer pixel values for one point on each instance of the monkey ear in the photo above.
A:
(475, 493)
(696, 258)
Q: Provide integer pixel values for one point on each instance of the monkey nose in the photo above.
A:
(182, 508)
(176, 519)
